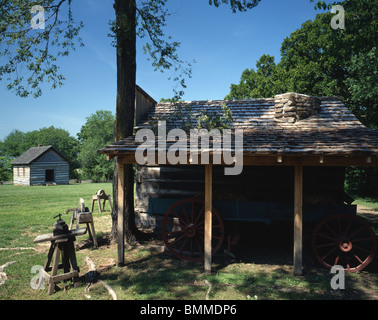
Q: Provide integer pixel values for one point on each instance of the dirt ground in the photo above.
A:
(369, 213)
(266, 247)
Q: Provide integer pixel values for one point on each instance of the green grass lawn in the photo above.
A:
(367, 202)
(30, 210)
(149, 273)
(25, 213)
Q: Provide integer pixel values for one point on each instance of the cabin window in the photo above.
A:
(50, 176)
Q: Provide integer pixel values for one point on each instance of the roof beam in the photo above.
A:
(280, 160)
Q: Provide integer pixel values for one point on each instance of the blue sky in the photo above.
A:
(222, 43)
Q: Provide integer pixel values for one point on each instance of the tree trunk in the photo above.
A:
(131, 231)
(125, 11)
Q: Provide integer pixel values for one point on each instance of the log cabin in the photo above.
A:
(42, 165)
(295, 150)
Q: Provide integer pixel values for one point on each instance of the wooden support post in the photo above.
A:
(110, 202)
(120, 213)
(298, 206)
(54, 269)
(92, 233)
(72, 259)
(99, 204)
(208, 216)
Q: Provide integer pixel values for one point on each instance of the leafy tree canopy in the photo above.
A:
(262, 82)
(17, 142)
(29, 52)
(95, 134)
(318, 60)
(5, 168)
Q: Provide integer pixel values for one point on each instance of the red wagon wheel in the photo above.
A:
(183, 229)
(344, 240)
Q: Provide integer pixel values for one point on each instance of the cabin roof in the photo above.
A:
(260, 113)
(33, 154)
(330, 130)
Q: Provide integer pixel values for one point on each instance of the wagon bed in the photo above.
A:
(259, 211)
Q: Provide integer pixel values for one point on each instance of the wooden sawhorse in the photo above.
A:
(82, 216)
(101, 195)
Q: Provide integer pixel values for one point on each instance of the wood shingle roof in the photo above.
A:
(33, 154)
(331, 130)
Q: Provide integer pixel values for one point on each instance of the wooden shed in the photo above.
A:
(40, 166)
(295, 149)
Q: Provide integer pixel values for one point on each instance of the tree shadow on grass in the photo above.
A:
(164, 277)
(157, 276)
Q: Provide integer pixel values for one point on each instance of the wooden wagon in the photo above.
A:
(339, 238)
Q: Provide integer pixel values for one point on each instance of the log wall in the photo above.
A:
(321, 184)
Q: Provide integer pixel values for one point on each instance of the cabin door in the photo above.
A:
(49, 176)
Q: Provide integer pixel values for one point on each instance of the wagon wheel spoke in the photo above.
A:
(192, 214)
(362, 239)
(175, 231)
(187, 243)
(200, 215)
(361, 249)
(174, 223)
(328, 253)
(339, 228)
(330, 229)
(178, 217)
(356, 232)
(357, 258)
(348, 227)
(325, 245)
(177, 240)
(185, 213)
(183, 245)
(326, 236)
